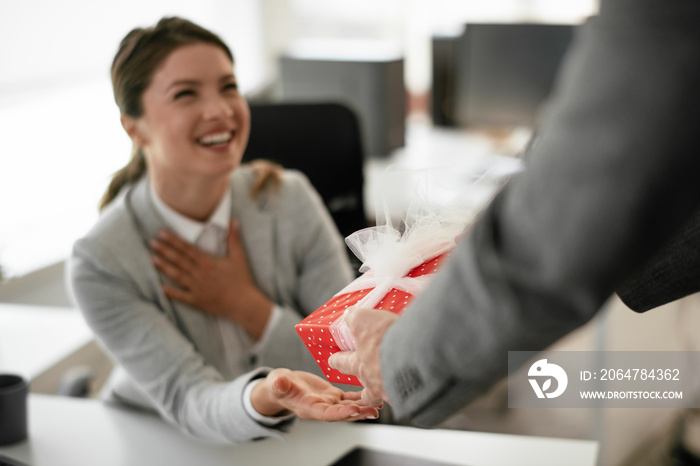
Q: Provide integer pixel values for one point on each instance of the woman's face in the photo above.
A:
(195, 121)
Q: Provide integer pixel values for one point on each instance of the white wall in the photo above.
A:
(52, 43)
(61, 134)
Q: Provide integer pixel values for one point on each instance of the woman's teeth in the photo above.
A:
(213, 139)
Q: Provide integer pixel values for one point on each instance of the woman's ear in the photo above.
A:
(131, 126)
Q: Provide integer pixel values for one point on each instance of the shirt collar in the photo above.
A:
(185, 227)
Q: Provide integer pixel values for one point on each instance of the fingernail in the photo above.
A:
(371, 417)
(354, 414)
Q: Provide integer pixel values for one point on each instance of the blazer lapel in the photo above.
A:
(149, 223)
(257, 227)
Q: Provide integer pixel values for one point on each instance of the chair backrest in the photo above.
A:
(323, 141)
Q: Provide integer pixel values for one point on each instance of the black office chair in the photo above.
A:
(323, 141)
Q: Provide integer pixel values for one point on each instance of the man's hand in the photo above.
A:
(368, 326)
(222, 286)
(309, 397)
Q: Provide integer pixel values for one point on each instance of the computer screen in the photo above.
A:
(499, 74)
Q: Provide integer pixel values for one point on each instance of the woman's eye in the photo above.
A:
(183, 93)
(231, 87)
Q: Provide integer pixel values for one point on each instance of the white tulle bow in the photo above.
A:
(426, 230)
(388, 255)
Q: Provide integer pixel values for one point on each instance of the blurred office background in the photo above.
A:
(62, 138)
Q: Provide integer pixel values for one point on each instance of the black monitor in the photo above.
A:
(496, 74)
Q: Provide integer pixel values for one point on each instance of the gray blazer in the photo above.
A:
(613, 177)
(175, 357)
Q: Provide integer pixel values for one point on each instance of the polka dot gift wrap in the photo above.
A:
(316, 332)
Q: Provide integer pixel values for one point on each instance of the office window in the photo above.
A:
(61, 133)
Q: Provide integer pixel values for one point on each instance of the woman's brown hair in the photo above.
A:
(139, 55)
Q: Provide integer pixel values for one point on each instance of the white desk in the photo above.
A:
(34, 339)
(83, 432)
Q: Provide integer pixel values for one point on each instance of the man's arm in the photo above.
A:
(612, 178)
(671, 274)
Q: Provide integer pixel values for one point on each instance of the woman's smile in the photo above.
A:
(218, 140)
(196, 123)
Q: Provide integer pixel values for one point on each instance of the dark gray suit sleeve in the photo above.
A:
(671, 274)
(611, 179)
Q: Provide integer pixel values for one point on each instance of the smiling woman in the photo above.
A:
(191, 279)
(55, 101)
(175, 88)
(195, 127)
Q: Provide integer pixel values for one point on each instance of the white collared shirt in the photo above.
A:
(205, 235)
(210, 236)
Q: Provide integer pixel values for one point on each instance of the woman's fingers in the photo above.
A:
(312, 397)
(175, 249)
(338, 412)
(173, 272)
(178, 294)
(175, 258)
(282, 386)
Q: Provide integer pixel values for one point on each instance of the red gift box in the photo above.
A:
(316, 331)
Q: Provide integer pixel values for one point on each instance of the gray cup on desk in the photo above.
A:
(13, 408)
